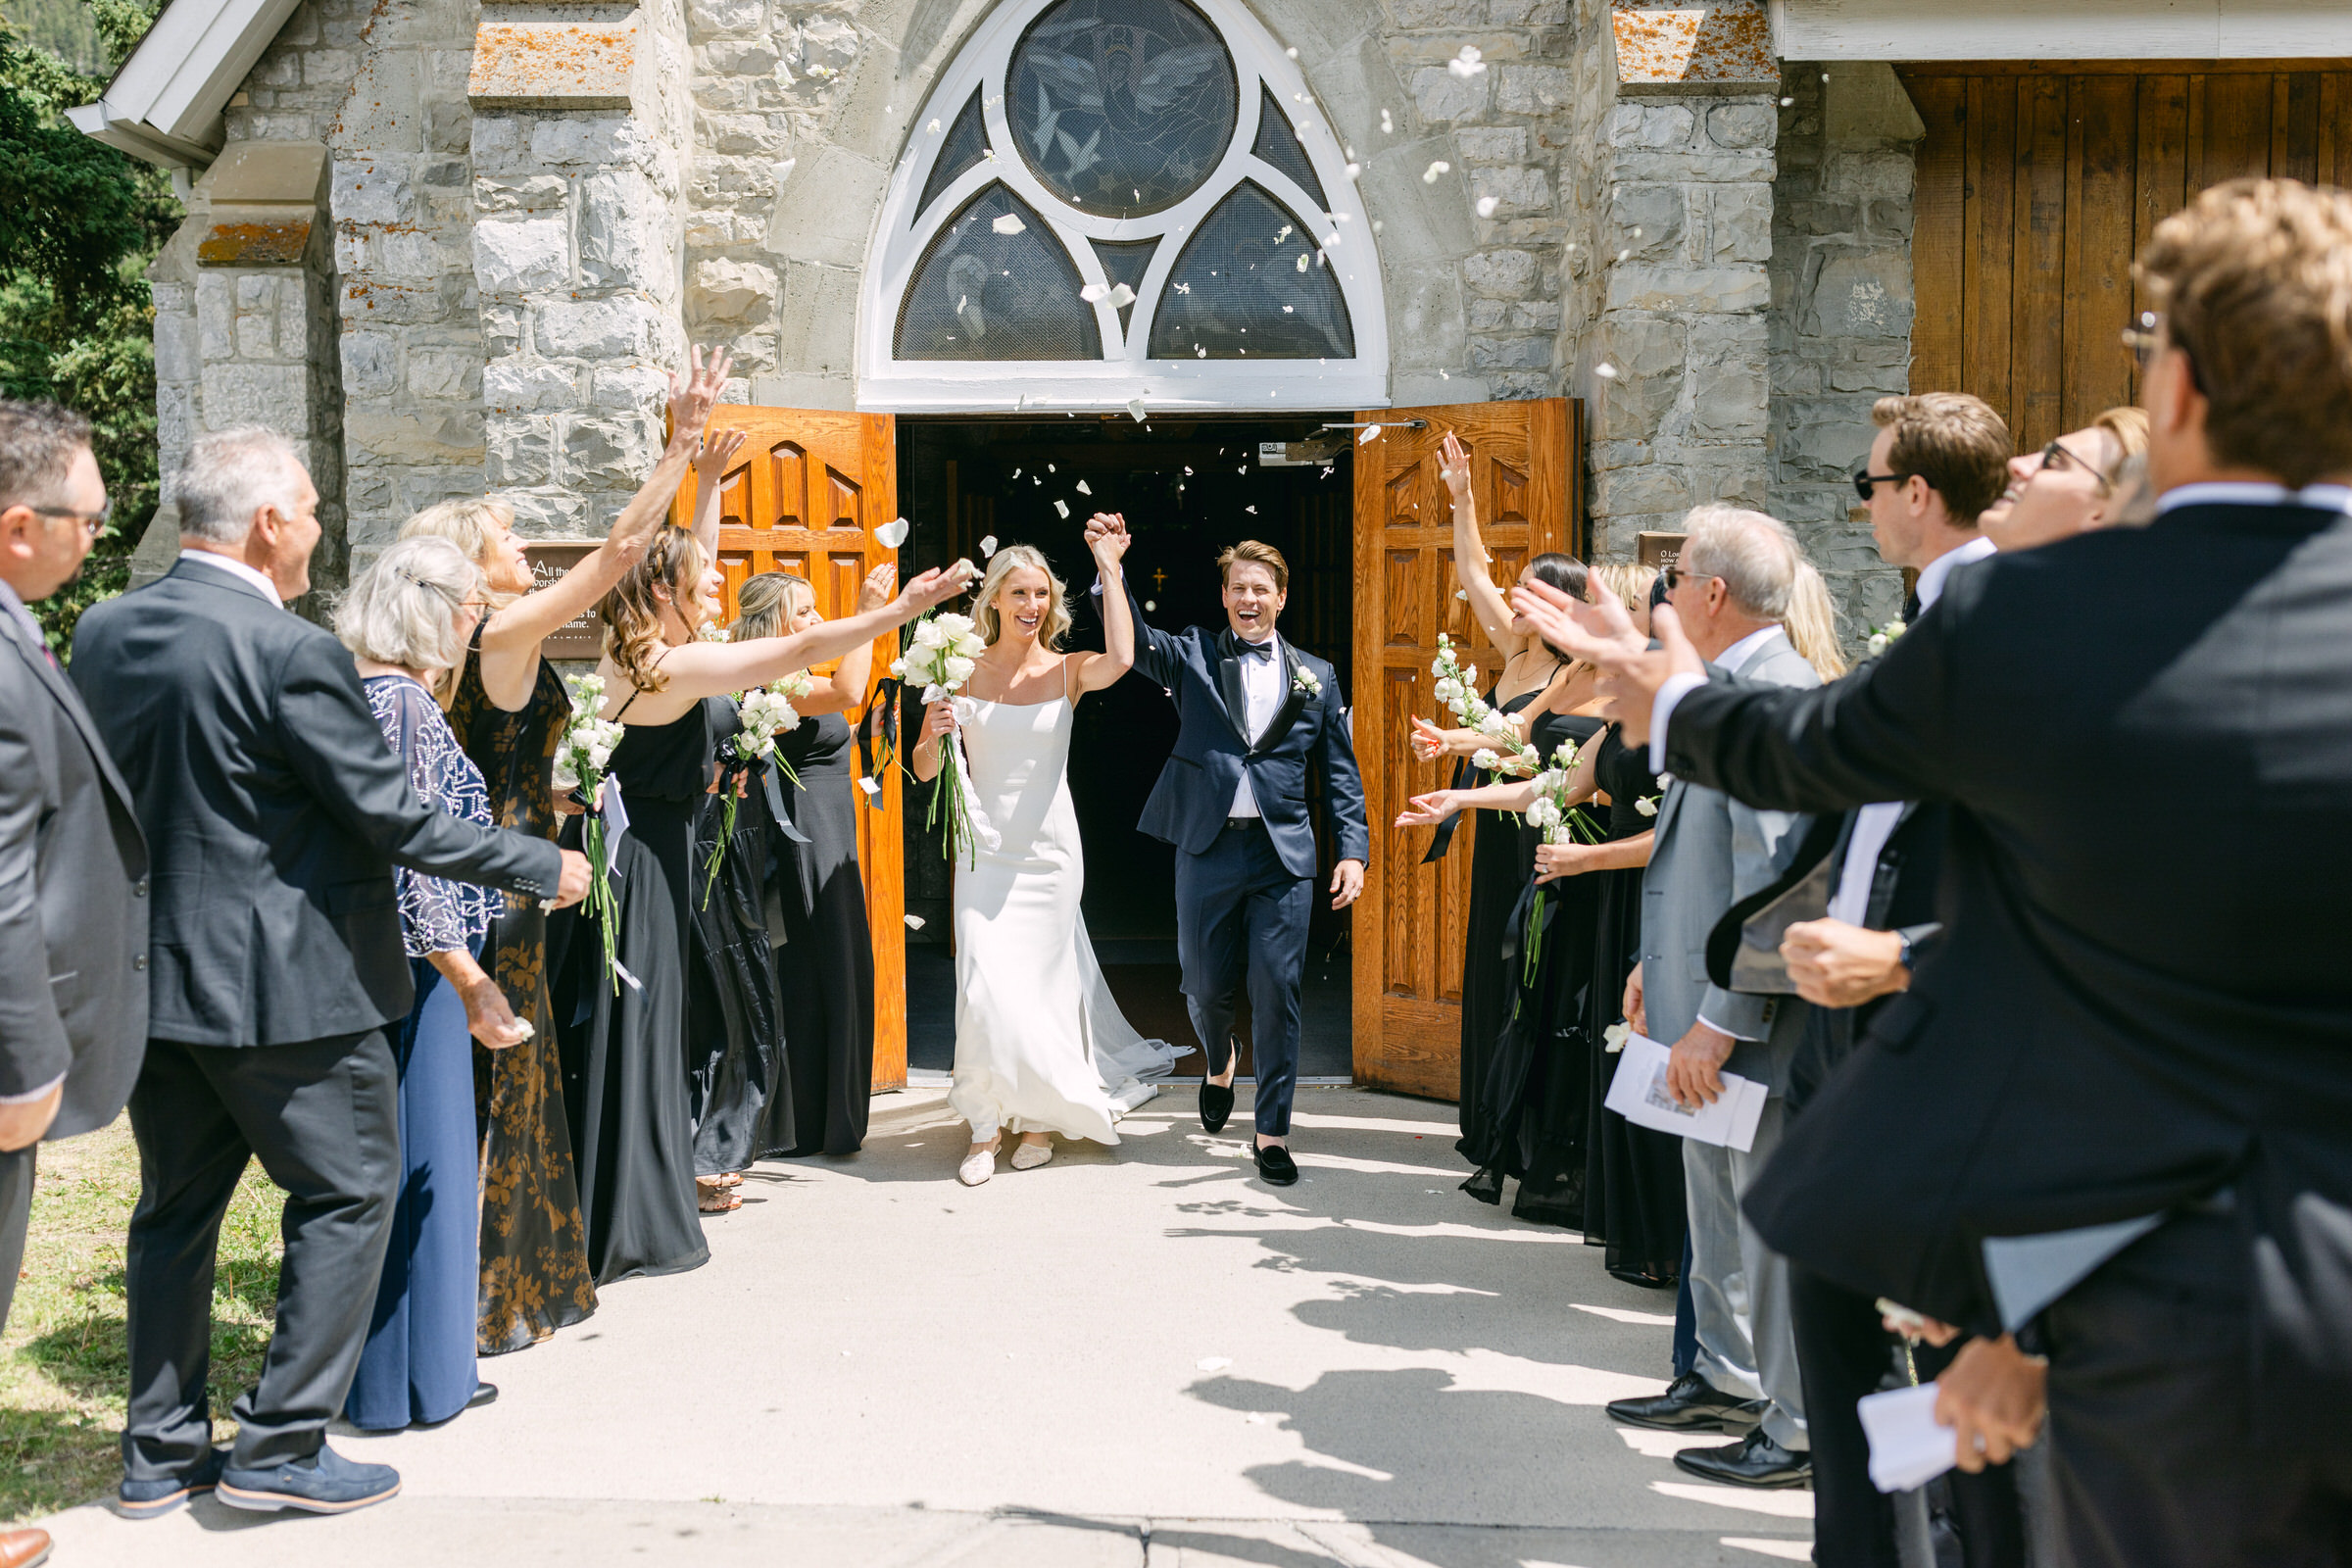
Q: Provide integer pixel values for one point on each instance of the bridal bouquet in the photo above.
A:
(583, 754)
(1457, 689)
(939, 657)
(767, 712)
(1560, 823)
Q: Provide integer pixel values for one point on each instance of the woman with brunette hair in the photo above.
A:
(507, 708)
(817, 896)
(625, 1072)
(1531, 679)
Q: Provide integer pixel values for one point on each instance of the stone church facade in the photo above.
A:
(454, 254)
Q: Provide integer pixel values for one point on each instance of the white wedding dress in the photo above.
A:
(1040, 1044)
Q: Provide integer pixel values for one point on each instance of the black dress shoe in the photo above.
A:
(1755, 1461)
(1275, 1165)
(1216, 1103)
(483, 1393)
(1691, 1403)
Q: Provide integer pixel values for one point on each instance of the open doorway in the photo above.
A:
(1187, 487)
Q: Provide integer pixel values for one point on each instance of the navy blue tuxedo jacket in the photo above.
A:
(1189, 804)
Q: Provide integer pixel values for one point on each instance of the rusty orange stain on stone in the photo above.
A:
(1727, 41)
(278, 244)
(552, 59)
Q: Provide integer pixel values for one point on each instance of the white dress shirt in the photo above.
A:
(2253, 493)
(1261, 698)
(235, 569)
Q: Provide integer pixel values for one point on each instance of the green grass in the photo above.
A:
(64, 1369)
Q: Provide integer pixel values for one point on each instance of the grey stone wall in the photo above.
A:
(1841, 322)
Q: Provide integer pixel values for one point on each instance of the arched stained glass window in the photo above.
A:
(1251, 284)
(1130, 203)
(996, 287)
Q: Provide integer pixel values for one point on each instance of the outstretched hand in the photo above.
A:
(717, 453)
(874, 593)
(1602, 634)
(933, 587)
(1428, 811)
(693, 395)
(1454, 467)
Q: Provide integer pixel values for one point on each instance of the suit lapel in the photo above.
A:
(1293, 701)
(1229, 687)
(62, 689)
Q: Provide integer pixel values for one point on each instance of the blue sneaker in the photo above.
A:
(325, 1483)
(152, 1499)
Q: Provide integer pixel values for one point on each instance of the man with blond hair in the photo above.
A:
(2106, 1123)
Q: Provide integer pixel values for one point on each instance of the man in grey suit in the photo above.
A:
(1731, 588)
(276, 813)
(73, 863)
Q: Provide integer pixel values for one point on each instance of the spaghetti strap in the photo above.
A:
(635, 691)
(1066, 680)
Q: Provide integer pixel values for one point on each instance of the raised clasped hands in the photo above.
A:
(1602, 634)
(1106, 536)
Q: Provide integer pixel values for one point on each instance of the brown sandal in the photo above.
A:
(713, 1198)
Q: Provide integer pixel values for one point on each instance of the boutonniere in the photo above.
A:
(1882, 637)
(1302, 679)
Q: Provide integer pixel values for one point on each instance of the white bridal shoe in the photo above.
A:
(978, 1166)
(1031, 1155)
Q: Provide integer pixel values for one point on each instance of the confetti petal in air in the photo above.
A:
(1467, 64)
(988, 547)
(1121, 296)
(1487, 206)
(1135, 406)
(1605, 371)
(1292, 52)
(1251, 508)
(933, 128)
(1061, 506)
(914, 922)
(1151, 605)
(1353, 171)
(1388, 126)
(1093, 292)
(891, 534)
(1085, 489)
(1429, 175)
(1009, 223)
(1367, 435)
(1302, 261)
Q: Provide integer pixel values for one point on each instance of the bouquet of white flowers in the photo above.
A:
(1559, 824)
(582, 755)
(939, 657)
(766, 714)
(1457, 688)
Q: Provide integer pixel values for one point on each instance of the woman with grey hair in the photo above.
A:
(407, 621)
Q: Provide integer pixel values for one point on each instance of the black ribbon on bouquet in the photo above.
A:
(1443, 840)
(776, 805)
(878, 736)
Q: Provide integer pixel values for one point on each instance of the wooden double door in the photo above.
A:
(2040, 181)
(813, 487)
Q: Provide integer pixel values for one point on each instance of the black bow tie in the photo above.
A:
(1264, 649)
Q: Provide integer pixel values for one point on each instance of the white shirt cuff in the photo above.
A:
(1721, 1030)
(1661, 713)
(28, 1099)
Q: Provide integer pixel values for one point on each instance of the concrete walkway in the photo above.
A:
(1139, 1355)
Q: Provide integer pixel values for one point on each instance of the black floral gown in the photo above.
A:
(534, 1248)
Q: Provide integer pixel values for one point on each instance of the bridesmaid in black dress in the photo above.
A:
(817, 896)
(624, 1039)
(509, 708)
(1532, 676)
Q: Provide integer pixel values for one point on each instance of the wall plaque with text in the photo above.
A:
(1658, 549)
(583, 636)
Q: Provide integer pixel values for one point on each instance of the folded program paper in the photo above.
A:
(1638, 1094)
(1908, 1446)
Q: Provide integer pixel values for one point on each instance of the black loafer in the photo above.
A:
(1216, 1103)
(1275, 1165)
(1691, 1403)
(483, 1393)
(1755, 1461)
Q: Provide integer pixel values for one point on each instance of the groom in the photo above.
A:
(1256, 714)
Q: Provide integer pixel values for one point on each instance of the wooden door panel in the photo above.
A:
(840, 469)
(1527, 476)
(2040, 181)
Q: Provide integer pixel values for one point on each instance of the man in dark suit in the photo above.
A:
(275, 814)
(1255, 714)
(72, 865)
(2131, 1046)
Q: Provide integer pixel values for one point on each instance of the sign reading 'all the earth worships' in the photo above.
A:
(582, 636)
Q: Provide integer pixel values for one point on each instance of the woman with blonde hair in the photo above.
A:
(1039, 1046)
(2071, 486)
(1811, 622)
(406, 620)
(625, 1059)
(825, 957)
(507, 706)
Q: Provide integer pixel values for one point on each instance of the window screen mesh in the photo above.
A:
(1249, 287)
(1122, 107)
(1125, 261)
(983, 293)
(966, 144)
(1278, 144)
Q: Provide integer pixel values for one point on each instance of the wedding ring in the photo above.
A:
(1978, 1440)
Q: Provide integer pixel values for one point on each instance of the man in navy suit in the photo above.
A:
(1256, 714)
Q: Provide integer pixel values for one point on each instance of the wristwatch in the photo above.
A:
(1910, 938)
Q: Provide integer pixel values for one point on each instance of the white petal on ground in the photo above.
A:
(1009, 223)
(891, 534)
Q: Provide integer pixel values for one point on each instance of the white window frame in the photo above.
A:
(888, 385)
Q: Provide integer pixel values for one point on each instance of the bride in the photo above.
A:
(1039, 1046)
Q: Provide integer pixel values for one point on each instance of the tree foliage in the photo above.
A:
(79, 224)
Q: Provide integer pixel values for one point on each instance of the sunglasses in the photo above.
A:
(1866, 481)
(1675, 576)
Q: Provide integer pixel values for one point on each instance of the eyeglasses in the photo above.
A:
(1675, 576)
(2143, 339)
(1866, 481)
(94, 523)
(2059, 456)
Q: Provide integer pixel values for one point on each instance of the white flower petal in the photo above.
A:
(893, 533)
(988, 547)
(1009, 223)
